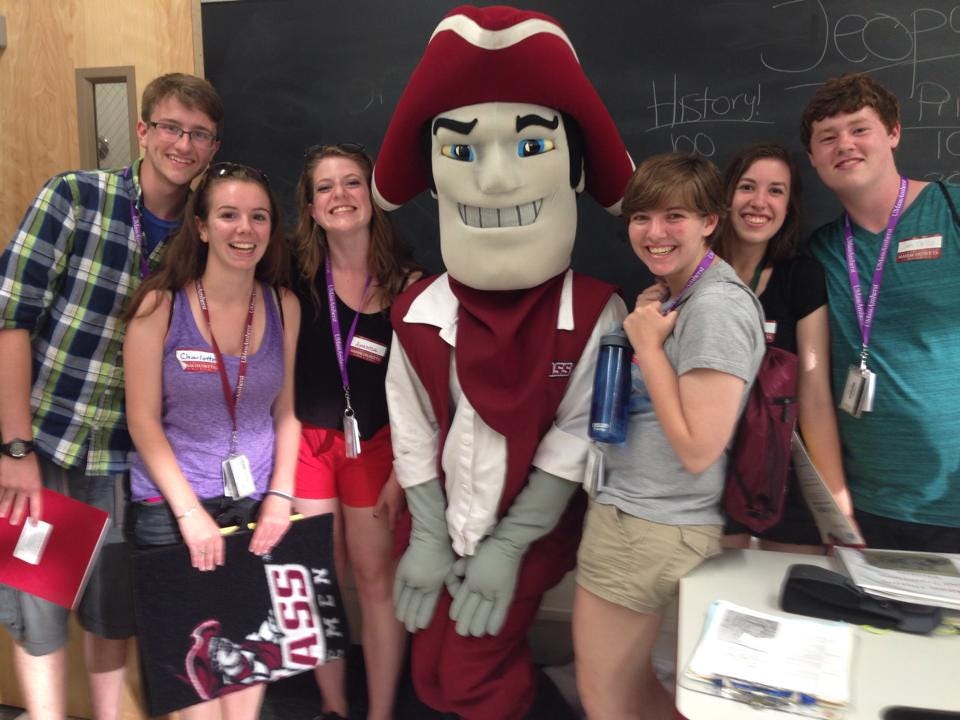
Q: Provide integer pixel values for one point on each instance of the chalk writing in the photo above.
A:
(672, 108)
(878, 41)
(699, 144)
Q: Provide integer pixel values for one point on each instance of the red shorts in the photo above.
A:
(324, 471)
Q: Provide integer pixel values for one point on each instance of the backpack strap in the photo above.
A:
(953, 207)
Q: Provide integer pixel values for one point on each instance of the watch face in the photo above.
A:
(18, 448)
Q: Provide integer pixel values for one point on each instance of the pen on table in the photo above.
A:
(763, 693)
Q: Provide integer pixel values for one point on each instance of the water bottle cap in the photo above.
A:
(617, 339)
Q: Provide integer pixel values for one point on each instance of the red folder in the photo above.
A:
(75, 539)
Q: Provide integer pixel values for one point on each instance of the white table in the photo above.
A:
(889, 668)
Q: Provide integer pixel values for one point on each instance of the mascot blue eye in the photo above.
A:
(534, 146)
(461, 152)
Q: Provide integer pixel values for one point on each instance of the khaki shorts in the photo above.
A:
(637, 564)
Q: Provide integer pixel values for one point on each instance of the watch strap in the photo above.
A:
(22, 448)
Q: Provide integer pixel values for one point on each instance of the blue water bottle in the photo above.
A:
(611, 390)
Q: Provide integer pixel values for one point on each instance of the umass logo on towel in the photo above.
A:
(254, 620)
(291, 639)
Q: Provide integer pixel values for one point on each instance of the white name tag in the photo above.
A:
(770, 330)
(33, 540)
(237, 477)
(595, 470)
(927, 247)
(367, 349)
(197, 360)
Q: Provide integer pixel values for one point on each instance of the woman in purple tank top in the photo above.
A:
(208, 359)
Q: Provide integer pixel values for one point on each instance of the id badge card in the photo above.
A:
(858, 391)
(594, 471)
(869, 387)
(351, 434)
(237, 478)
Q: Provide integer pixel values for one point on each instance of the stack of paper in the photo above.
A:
(798, 665)
(913, 577)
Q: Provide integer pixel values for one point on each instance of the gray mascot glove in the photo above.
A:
(482, 599)
(427, 560)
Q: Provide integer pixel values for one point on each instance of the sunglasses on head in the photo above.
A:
(237, 170)
(350, 148)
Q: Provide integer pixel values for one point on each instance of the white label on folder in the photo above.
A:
(33, 539)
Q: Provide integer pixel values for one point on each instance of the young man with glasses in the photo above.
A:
(84, 245)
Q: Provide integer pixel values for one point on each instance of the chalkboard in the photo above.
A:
(707, 76)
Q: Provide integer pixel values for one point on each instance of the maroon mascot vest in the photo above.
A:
(509, 341)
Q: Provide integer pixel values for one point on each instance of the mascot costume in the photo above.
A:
(489, 384)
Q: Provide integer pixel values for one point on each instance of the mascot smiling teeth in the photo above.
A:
(490, 379)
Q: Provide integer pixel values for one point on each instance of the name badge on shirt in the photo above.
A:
(200, 361)
(237, 478)
(367, 349)
(926, 247)
(770, 330)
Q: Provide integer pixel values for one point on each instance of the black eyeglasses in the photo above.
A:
(230, 169)
(199, 137)
(350, 148)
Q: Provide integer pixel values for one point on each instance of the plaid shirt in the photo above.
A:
(66, 277)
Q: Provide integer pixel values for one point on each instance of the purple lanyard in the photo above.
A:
(335, 325)
(138, 229)
(865, 318)
(697, 274)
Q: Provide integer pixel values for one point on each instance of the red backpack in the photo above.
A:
(759, 462)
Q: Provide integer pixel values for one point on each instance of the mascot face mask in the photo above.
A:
(508, 215)
(500, 81)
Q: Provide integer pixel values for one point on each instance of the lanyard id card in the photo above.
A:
(235, 470)
(237, 478)
(858, 391)
(595, 471)
(351, 433)
(351, 429)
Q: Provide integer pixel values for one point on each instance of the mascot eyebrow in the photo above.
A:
(465, 128)
(528, 120)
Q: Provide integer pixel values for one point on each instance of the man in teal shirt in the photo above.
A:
(892, 264)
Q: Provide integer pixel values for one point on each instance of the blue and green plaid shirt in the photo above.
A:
(66, 277)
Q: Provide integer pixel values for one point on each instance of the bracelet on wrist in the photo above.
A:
(188, 512)
(280, 494)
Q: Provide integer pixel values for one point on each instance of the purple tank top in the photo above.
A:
(195, 417)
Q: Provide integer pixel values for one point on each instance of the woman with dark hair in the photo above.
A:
(760, 237)
(208, 360)
(351, 267)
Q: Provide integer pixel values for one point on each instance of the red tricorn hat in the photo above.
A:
(498, 54)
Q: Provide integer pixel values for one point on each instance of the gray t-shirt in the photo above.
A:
(720, 327)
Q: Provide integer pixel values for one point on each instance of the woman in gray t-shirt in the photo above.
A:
(698, 341)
